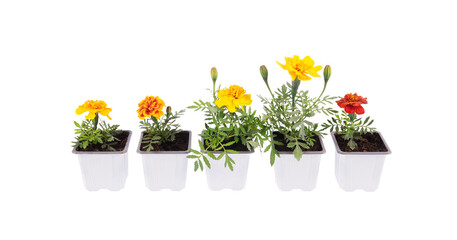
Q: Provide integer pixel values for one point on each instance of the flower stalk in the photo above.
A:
(214, 78)
(95, 121)
(295, 85)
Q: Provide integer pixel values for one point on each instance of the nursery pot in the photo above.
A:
(292, 174)
(104, 170)
(165, 169)
(220, 177)
(359, 170)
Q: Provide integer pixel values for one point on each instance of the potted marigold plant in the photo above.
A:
(101, 148)
(163, 146)
(296, 145)
(232, 132)
(360, 149)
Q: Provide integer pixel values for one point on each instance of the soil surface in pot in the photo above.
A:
(181, 143)
(370, 142)
(280, 138)
(119, 146)
(239, 147)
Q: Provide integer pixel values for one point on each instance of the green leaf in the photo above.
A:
(207, 162)
(291, 144)
(267, 148)
(195, 166)
(231, 151)
(228, 162)
(272, 156)
(278, 143)
(298, 153)
(200, 164)
(211, 155)
(225, 129)
(195, 151)
(254, 144)
(229, 144)
(201, 144)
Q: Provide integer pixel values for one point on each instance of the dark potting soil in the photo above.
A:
(119, 146)
(239, 147)
(370, 142)
(283, 148)
(180, 143)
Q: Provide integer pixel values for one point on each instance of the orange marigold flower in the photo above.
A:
(150, 106)
(352, 103)
(94, 107)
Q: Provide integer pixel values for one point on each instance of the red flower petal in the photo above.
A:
(360, 110)
(349, 109)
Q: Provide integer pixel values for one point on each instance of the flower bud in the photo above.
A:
(214, 74)
(264, 73)
(168, 109)
(327, 73)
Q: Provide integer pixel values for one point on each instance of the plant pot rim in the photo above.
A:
(361, 153)
(126, 148)
(166, 152)
(305, 152)
(239, 152)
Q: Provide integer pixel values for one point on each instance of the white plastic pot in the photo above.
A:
(359, 170)
(220, 177)
(292, 174)
(165, 169)
(104, 170)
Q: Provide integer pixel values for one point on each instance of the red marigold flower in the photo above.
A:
(352, 103)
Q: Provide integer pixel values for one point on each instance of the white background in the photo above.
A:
(54, 55)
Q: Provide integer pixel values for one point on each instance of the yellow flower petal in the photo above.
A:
(232, 98)
(308, 61)
(91, 114)
(105, 112)
(80, 110)
(301, 68)
(281, 65)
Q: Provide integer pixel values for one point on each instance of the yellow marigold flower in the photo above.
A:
(94, 107)
(233, 97)
(150, 106)
(299, 68)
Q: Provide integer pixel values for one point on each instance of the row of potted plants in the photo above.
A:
(232, 130)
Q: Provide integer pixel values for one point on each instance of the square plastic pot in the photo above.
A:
(292, 174)
(165, 169)
(104, 170)
(359, 170)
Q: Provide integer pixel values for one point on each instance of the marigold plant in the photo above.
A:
(348, 124)
(158, 129)
(289, 111)
(229, 121)
(92, 133)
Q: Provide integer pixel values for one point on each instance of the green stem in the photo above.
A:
(214, 90)
(268, 86)
(95, 121)
(317, 100)
(295, 85)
